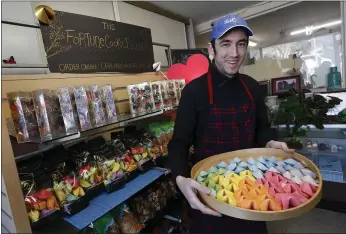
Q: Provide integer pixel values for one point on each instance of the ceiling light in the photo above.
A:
(252, 44)
(313, 28)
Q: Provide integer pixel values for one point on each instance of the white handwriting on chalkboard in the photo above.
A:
(87, 40)
(105, 66)
(108, 26)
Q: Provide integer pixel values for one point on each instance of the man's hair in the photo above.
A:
(212, 42)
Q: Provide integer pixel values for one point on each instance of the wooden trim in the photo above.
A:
(158, 10)
(12, 183)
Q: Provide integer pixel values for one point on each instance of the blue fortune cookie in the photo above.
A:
(288, 167)
(272, 159)
(203, 174)
(222, 165)
(251, 161)
(308, 172)
(228, 172)
(296, 172)
(290, 161)
(239, 169)
(262, 160)
(298, 165)
(261, 166)
(269, 164)
(243, 164)
(273, 169)
(258, 174)
(236, 160)
(253, 168)
(200, 179)
(212, 170)
(281, 163)
(280, 169)
(232, 166)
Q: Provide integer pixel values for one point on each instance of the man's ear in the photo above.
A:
(211, 49)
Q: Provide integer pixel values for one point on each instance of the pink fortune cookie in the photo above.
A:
(301, 196)
(308, 189)
(266, 183)
(290, 188)
(287, 200)
(274, 190)
(274, 177)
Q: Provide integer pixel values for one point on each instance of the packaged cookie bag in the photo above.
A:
(164, 94)
(147, 97)
(108, 103)
(48, 113)
(23, 117)
(82, 107)
(97, 114)
(134, 99)
(171, 92)
(67, 111)
(157, 94)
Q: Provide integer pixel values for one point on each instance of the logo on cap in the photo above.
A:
(231, 20)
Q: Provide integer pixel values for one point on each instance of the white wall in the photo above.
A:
(163, 29)
(26, 45)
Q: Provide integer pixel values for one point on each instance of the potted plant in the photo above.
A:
(297, 111)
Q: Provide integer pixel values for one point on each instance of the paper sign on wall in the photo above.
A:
(82, 44)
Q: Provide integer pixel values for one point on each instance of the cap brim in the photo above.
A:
(247, 29)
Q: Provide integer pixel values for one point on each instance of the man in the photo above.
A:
(219, 112)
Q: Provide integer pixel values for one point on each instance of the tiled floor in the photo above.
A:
(316, 221)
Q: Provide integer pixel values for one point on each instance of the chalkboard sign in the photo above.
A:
(82, 44)
(182, 55)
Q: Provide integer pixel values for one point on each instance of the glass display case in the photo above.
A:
(327, 149)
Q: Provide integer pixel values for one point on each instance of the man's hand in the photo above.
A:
(189, 188)
(279, 145)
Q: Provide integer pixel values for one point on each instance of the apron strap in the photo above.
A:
(210, 89)
(247, 90)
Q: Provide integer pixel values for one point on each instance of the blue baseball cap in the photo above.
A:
(227, 23)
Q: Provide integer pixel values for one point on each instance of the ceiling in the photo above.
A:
(200, 11)
(267, 27)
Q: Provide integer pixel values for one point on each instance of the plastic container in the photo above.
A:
(334, 79)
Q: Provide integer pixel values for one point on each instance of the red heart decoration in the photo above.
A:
(196, 66)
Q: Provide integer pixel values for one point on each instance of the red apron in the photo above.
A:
(230, 127)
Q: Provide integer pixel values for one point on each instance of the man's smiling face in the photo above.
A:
(230, 51)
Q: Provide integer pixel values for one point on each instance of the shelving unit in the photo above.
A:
(105, 202)
(53, 81)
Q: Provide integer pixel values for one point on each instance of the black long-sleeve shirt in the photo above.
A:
(192, 115)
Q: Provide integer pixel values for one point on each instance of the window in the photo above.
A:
(318, 55)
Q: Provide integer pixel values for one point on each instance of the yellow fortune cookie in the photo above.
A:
(223, 195)
(216, 179)
(232, 201)
(247, 174)
(221, 179)
(232, 187)
(234, 178)
(225, 183)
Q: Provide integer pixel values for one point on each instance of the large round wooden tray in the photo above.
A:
(246, 214)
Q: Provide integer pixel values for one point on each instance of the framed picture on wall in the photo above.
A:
(281, 86)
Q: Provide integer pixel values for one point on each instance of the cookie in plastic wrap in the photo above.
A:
(23, 116)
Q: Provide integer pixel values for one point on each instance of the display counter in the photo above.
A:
(331, 164)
